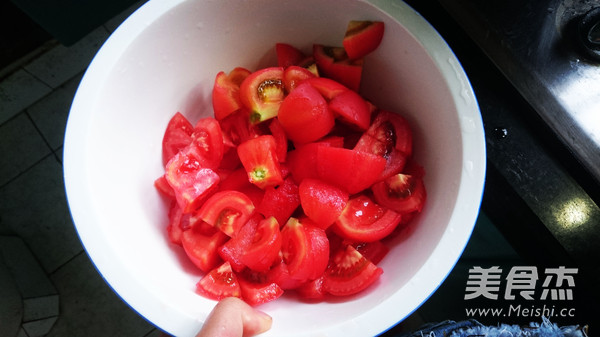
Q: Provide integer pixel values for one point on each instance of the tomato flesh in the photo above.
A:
(334, 63)
(288, 55)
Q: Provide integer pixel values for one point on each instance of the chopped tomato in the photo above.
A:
(162, 185)
(174, 228)
(365, 221)
(280, 201)
(202, 249)
(303, 161)
(256, 289)
(233, 249)
(362, 37)
(349, 273)
(319, 248)
(333, 62)
(294, 75)
(373, 251)
(295, 250)
(322, 202)
(351, 108)
(333, 163)
(262, 93)
(259, 158)
(227, 211)
(219, 283)
(288, 55)
(191, 182)
(207, 142)
(304, 115)
(177, 136)
(327, 87)
(389, 127)
(312, 290)
(226, 92)
(281, 140)
(280, 274)
(402, 192)
(237, 128)
(264, 245)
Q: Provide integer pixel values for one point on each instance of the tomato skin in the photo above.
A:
(373, 251)
(321, 202)
(225, 93)
(304, 115)
(259, 158)
(219, 283)
(302, 161)
(365, 221)
(395, 159)
(332, 167)
(227, 210)
(402, 193)
(349, 273)
(262, 92)
(202, 249)
(280, 202)
(280, 275)
(362, 38)
(177, 136)
(295, 249)
(191, 182)
(389, 127)
(294, 75)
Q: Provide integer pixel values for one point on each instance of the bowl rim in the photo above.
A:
(172, 320)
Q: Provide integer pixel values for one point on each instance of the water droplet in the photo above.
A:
(500, 133)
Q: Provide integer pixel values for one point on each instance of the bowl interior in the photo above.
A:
(164, 59)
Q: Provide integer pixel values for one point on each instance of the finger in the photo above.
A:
(232, 317)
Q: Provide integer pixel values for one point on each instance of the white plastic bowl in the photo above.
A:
(164, 59)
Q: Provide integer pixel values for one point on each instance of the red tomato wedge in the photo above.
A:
(281, 141)
(322, 202)
(219, 283)
(349, 273)
(227, 211)
(264, 245)
(202, 249)
(327, 87)
(333, 62)
(305, 115)
(312, 290)
(365, 221)
(362, 37)
(262, 92)
(226, 92)
(177, 136)
(259, 158)
(295, 250)
(237, 128)
(402, 193)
